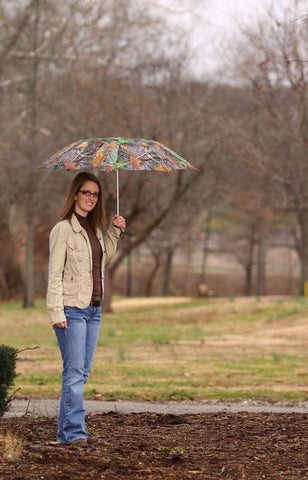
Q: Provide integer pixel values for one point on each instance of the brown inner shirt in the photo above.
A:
(96, 257)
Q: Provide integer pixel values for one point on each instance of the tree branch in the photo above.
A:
(180, 190)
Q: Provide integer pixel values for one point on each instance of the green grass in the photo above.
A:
(202, 349)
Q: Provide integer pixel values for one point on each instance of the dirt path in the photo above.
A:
(127, 303)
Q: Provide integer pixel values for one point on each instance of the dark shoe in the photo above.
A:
(80, 442)
(92, 440)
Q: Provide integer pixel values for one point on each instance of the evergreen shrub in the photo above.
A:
(8, 357)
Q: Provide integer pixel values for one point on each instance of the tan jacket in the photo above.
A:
(70, 279)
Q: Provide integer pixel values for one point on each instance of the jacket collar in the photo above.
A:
(78, 228)
(75, 224)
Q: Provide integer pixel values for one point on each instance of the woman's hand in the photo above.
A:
(61, 325)
(119, 222)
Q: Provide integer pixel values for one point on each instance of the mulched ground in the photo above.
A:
(242, 446)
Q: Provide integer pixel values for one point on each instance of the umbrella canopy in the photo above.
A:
(117, 153)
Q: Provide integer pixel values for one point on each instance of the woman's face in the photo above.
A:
(86, 198)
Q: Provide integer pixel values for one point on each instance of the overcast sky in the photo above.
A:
(219, 25)
(214, 25)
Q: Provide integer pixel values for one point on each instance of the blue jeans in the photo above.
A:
(77, 344)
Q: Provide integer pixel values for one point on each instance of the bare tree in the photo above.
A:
(51, 45)
(272, 63)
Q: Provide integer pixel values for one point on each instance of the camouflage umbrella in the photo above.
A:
(117, 153)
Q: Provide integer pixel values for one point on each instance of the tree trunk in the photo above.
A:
(29, 271)
(167, 274)
(205, 247)
(129, 275)
(303, 251)
(11, 276)
(151, 278)
(248, 269)
(248, 277)
(30, 203)
(260, 283)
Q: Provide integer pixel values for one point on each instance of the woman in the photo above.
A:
(78, 253)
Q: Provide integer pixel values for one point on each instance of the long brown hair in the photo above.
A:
(96, 217)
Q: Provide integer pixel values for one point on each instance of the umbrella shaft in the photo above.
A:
(118, 199)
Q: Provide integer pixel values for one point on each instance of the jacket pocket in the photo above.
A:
(75, 251)
(70, 285)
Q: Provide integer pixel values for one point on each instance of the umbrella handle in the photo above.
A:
(118, 196)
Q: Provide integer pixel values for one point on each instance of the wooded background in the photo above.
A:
(73, 69)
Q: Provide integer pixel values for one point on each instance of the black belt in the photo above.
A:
(95, 303)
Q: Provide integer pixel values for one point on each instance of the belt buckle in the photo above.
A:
(95, 303)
